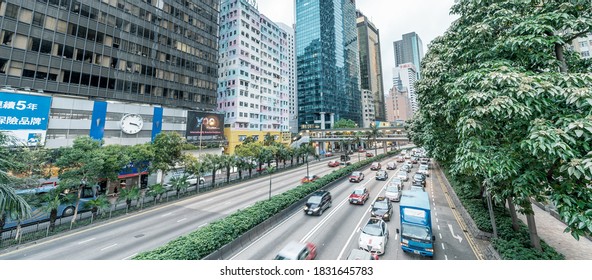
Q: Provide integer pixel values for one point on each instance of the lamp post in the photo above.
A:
(269, 170)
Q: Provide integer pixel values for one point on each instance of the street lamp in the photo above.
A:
(270, 170)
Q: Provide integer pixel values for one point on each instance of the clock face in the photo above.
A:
(132, 123)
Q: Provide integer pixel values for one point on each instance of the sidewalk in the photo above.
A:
(550, 229)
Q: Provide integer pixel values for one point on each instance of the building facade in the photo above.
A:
(371, 63)
(128, 56)
(290, 60)
(327, 62)
(583, 45)
(253, 84)
(398, 107)
(368, 107)
(404, 78)
(409, 50)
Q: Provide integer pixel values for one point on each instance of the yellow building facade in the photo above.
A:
(236, 137)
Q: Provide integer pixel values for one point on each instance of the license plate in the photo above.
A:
(416, 252)
(309, 212)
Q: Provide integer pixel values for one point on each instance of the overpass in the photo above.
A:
(330, 139)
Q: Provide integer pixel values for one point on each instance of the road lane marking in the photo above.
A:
(460, 239)
(110, 246)
(209, 199)
(130, 256)
(446, 257)
(181, 220)
(438, 227)
(437, 221)
(443, 247)
(88, 240)
(459, 219)
(202, 225)
(440, 235)
(323, 221)
(167, 214)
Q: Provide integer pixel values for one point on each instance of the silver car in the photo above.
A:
(403, 176)
(393, 192)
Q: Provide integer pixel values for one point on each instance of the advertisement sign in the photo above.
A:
(207, 126)
(25, 116)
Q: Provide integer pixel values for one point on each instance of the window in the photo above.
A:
(11, 11)
(38, 19)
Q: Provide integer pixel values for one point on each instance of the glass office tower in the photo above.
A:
(327, 63)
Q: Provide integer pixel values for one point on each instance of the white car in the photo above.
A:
(192, 180)
(403, 176)
(374, 236)
(424, 169)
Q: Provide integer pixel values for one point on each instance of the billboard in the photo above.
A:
(25, 116)
(207, 126)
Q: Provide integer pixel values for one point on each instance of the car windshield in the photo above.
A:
(356, 174)
(416, 232)
(380, 205)
(359, 192)
(314, 200)
(372, 229)
(418, 177)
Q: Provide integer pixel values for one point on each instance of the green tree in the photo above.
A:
(345, 123)
(179, 183)
(268, 139)
(129, 194)
(141, 155)
(98, 205)
(156, 191)
(214, 162)
(11, 204)
(79, 165)
(167, 147)
(227, 162)
(501, 105)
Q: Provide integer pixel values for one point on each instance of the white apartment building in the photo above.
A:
(253, 91)
(404, 77)
(289, 58)
(368, 114)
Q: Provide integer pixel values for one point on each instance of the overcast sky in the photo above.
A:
(393, 18)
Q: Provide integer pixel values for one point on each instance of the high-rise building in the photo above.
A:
(99, 61)
(398, 106)
(371, 63)
(404, 78)
(253, 86)
(409, 50)
(368, 105)
(289, 58)
(327, 63)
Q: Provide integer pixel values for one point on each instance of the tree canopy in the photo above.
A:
(345, 123)
(504, 101)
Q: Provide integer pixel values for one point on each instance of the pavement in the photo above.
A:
(550, 229)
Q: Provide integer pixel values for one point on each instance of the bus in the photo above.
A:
(38, 215)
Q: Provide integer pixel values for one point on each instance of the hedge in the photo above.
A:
(206, 240)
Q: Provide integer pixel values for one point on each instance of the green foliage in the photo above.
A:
(345, 123)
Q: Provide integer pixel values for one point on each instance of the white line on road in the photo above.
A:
(435, 213)
(202, 225)
(443, 247)
(438, 227)
(181, 220)
(209, 199)
(437, 220)
(323, 221)
(130, 256)
(446, 257)
(109, 247)
(88, 240)
(167, 214)
(440, 235)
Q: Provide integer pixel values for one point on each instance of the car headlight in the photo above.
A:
(385, 215)
(305, 207)
(404, 241)
(372, 213)
(430, 249)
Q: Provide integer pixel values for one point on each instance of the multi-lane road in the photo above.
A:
(335, 232)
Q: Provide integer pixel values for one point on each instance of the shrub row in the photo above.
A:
(510, 244)
(206, 240)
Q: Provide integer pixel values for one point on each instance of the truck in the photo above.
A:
(416, 224)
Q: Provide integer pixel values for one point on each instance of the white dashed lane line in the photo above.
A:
(110, 246)
(181, 220)
(88, 240)
(443, 247)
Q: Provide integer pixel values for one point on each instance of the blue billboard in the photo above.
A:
(23, 111)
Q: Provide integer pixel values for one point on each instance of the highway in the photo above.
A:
(124, 237)
(336, 232)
